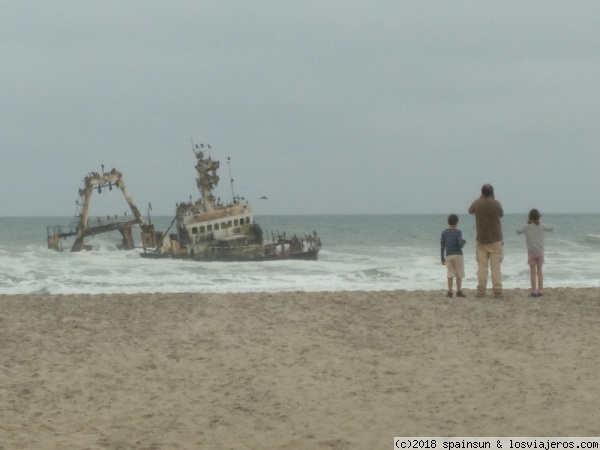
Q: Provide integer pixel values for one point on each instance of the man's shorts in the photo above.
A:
(456, 266)
(535, 258)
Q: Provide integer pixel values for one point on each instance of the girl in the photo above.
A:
(534, 237)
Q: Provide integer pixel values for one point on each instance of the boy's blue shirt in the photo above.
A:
(451, 243)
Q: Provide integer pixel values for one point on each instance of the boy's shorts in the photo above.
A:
(535, 258)
(456, 266)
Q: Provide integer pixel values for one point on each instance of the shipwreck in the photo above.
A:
(208, 230)
(205, 229)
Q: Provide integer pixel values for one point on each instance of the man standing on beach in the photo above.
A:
(489, 248)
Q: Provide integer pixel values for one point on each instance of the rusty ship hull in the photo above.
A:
(222, 254)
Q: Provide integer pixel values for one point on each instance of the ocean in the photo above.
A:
(360, 252)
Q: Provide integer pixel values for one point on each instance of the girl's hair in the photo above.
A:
(534, 216)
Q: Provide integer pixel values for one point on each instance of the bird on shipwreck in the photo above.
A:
(207, 230)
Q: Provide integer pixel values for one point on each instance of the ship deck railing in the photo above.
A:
(95, 225)
(278, 236)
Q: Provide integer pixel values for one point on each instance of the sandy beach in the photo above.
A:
(330, 370)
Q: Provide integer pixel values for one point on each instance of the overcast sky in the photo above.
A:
(367, 107)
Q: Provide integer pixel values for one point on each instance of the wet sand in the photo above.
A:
(330, 370)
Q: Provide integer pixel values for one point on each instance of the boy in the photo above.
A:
(452, 255)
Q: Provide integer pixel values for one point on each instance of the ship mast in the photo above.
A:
(231, 179)
(207, 179)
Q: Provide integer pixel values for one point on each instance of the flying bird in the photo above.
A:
(263, 198)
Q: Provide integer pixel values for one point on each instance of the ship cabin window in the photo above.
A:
(216, 226)
(194, 230)
(202, 228)
(223, 225)
(247, 219)
(208, 227)
(236, 222)
(229, 224)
